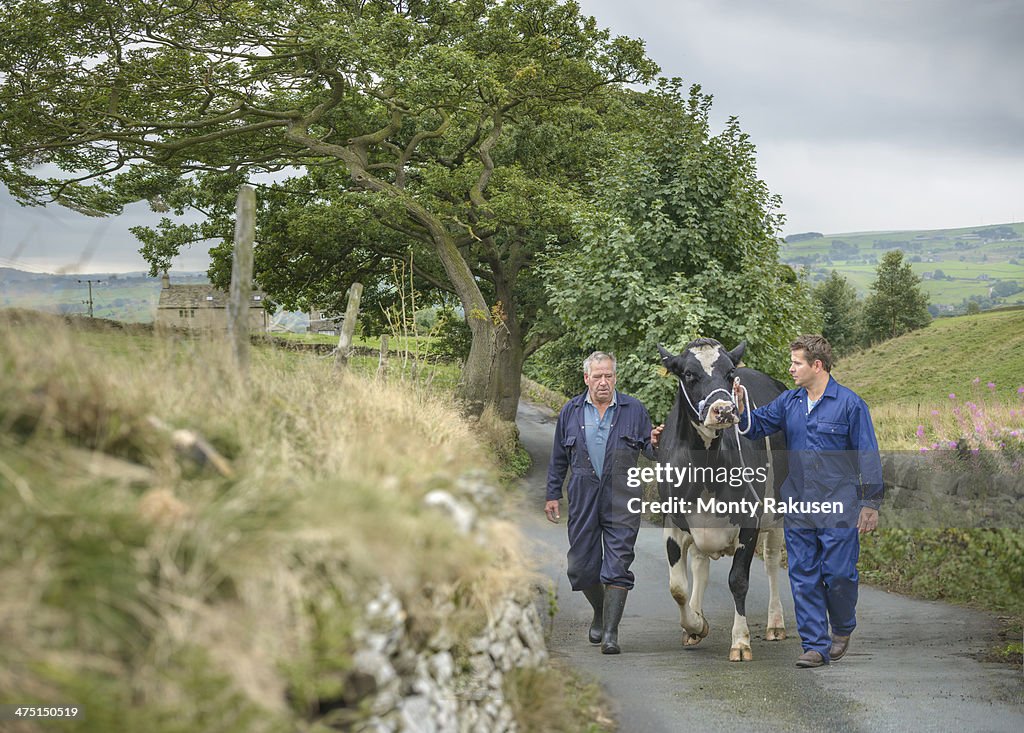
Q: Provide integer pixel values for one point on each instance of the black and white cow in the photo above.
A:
(706, 460)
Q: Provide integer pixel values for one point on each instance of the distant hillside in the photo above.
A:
(128, 297)
(925, 366)
(986, 261)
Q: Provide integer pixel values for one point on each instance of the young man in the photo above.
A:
(600, 434)
(833, 458)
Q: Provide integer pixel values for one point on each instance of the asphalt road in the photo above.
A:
(911, 666)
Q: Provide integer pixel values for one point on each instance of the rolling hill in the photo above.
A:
(923, 367)
(954, 263)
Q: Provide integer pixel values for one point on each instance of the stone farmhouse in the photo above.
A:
(320, 322)
(203, 308)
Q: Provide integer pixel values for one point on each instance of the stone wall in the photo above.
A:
(443, 686)
(950, 489)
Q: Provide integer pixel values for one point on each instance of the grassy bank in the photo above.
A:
(169, 592)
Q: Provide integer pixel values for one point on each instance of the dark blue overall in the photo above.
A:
(602, 529)
(834, 458)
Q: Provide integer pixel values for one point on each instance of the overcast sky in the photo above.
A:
(867, 115)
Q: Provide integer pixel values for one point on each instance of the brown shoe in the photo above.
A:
(839, 646)
(810, 659)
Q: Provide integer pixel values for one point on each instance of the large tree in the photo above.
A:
(393, 93)
(681, 242)
(897, 304)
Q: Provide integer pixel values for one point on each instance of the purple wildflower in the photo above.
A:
(920, 431)
(935, 413)
(952, 395)
(991, 385)
(976, 380)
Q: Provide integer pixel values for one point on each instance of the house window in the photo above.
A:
(209, 297)
(257, 297)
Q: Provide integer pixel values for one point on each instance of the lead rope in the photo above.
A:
(739, 446)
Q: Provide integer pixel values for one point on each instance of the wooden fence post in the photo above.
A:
(241, 276)
(348, 327)
(382, 364)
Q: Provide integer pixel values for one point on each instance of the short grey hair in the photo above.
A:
(597, 356)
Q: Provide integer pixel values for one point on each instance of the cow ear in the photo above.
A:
(737, 354)
(665, 354)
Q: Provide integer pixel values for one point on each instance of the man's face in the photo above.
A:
(801, 369)
(600, 382)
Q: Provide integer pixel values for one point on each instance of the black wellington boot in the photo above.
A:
(614, 602)
(595, 594)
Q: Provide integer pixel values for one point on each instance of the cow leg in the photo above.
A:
(677, 545)
(739, 583)
(773, 541)
(700, 564)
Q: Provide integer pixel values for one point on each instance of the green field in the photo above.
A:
(920, 369)
(971, 259)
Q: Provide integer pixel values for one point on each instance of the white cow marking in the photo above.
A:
(707, 356)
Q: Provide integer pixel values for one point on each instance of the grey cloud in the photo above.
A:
(924, 73)
(54, 238)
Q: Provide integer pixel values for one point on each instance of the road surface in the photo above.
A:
(912, 664)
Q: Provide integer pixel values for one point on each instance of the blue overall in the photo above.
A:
(833, 457)
(602, 530)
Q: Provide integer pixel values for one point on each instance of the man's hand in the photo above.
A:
(738, 394)
(551, 510)
(868, 521)
(656, 435)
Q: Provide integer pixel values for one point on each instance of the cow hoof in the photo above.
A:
(775, 633)
(704, 632)
(741, 654)
(691, 640)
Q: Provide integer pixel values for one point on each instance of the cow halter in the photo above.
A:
(739, 445)
(699, 409)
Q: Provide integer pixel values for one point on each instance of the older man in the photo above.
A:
(600, 434)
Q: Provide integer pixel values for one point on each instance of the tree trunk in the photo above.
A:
(473, 388)
(507, 368)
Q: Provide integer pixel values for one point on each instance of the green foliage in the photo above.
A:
(558, 365)
(452, 335)
(978, 566)
(680, 242)
(841, 311)
(897, 303)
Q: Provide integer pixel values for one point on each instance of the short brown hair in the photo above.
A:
(817, 348)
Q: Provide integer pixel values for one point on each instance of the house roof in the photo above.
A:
(201, 296)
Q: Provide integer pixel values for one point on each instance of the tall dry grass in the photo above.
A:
(165, 596)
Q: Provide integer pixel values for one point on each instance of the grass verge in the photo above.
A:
(171, 596)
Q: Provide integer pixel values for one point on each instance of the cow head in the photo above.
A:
(705, 371)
